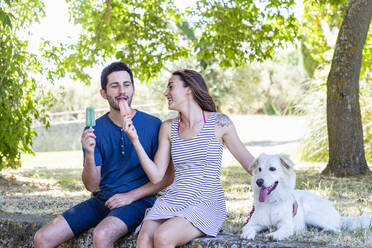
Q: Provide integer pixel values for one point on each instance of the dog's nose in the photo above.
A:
(260, 182)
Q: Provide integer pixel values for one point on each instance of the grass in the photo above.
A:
(46, 184)
(350, 196)
(50, 183)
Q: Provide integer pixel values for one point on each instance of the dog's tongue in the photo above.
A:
(263, 194)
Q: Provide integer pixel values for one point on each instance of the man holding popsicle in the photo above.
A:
(121, 191)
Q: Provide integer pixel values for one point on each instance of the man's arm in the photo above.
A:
(147, 189)
(91, 175)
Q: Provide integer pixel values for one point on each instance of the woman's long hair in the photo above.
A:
(199, 88)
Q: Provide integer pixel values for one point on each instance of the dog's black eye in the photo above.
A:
(259, 169)
(272, 169)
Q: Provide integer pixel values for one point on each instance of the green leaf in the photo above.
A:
(5, 18)
(19, 104)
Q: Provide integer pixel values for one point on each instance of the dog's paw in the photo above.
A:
(247, 233)
(276, 236)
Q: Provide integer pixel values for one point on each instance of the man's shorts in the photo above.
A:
(89, 213)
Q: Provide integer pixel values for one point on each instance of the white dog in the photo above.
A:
(277, 203)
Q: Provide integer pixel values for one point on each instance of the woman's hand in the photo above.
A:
(118, 200)
(129, 128)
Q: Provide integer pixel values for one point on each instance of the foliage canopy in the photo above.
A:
(322, 19)
(18, 102)
(148, 34)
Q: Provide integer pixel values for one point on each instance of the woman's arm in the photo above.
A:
(230, 138)
(156, 169)
(122, 199)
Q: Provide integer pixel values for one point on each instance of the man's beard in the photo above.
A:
(115, 105)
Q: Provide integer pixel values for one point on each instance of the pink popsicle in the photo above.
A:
(124, 108)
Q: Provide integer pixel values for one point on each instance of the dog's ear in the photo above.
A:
(286, 162)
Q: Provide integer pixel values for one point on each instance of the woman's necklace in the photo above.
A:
(180, 120)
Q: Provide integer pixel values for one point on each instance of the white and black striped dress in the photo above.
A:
(196, 193)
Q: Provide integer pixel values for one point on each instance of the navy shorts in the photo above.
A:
(89, 213)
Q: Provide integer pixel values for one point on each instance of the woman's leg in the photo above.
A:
(175, 232)
(146, 235)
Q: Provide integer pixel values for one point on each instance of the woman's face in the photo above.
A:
(176, 93)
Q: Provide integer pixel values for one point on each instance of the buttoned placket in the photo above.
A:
(122, 140)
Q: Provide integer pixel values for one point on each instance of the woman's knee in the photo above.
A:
(144, 240)
(163, 239)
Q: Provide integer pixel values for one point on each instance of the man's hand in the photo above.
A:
(88, 140)
(119, 200)
(91, 172)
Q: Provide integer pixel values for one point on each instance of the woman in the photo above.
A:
(194, 205)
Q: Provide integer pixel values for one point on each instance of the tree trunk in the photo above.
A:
(345, 133)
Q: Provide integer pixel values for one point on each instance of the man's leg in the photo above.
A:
(108, 231)
(119, 222)
(75, 220)
(146, 235)
(175, 232)
(53, 234)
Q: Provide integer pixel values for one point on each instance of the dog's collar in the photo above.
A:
(294, 208)
(294, 211)
(250, 215)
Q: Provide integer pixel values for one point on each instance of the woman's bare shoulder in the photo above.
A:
(223, 121)
(166, 125)
(167, 122)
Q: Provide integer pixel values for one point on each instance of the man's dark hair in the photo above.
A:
(115, 66)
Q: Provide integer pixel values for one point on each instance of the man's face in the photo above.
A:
(119, 86)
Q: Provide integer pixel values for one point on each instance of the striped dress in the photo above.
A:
(196, 193)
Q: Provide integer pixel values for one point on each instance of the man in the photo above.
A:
(112, 171)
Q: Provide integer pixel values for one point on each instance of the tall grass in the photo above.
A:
(366, 109)
(314, 146)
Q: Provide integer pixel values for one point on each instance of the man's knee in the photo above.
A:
(100, 235)
(40, 239)
(103, 236)
(53, 233)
